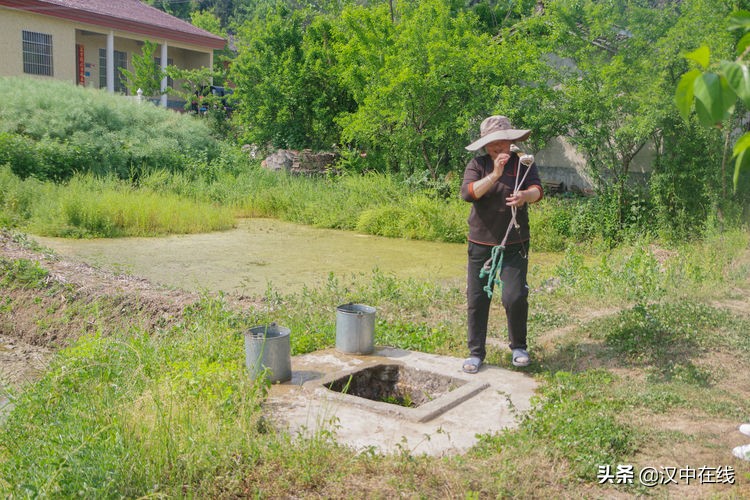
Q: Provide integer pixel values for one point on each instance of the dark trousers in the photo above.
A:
(514, 296)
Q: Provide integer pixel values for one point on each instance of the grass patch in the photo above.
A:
(121, 414)
(88, 206)
(643, 272)
(669, 335)
(573, 420)
(22, 272)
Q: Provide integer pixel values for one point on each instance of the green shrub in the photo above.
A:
(19, 152)
(20, 199)
(51, 130)
(381, 221)
(626, 273)
(550, 223)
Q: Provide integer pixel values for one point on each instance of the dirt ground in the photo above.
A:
(33, 325)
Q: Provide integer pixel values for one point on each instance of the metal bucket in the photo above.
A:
(268, 346)
(355, 328)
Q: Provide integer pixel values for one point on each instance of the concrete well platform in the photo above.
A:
(458, 406)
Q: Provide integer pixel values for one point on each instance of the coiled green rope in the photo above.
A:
(494, 270)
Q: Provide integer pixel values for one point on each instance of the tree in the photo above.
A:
(496, 16)
(618, 92)
(612, 94)
(146, 74)
(192, 83)
(206, 20)
(408, 88)
(717, 91)
(287, 92)
(196, 89)
(525, 86)
(686, 185)
(177, 8)
(424, 82)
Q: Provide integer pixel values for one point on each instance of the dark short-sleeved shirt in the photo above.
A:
(490, 214)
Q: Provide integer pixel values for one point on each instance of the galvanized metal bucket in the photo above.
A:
(355, 328)
(268, 346)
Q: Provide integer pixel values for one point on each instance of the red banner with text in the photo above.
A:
(81, 66)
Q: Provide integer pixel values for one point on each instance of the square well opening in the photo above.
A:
(395, 384)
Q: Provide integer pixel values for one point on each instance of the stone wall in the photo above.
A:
(301, 162)
(560, 163)
(571, 180)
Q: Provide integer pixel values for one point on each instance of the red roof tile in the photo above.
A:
(126, 15)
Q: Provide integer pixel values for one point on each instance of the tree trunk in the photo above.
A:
(427, 162)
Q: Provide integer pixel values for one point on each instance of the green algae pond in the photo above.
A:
(263, 253)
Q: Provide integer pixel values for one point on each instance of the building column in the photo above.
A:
(111, 61)
(164, 61)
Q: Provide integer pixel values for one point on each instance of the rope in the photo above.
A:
(493, 270)
(494, 265)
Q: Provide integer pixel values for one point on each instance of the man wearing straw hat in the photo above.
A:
(499, 184)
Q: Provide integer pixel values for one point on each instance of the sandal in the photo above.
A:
(472, 364)
(521, 357)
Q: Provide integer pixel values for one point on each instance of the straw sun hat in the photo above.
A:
(497, 128)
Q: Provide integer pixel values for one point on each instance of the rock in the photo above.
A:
(301, 162)
(281, 160)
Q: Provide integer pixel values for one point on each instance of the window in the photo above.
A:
(37, 53)
(170, 62)
(102, 68)
(121, 62)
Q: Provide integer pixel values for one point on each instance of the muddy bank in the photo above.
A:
(60, 310)
(20, 363)
(72, 299)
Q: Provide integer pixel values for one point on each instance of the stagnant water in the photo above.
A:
(264, 252)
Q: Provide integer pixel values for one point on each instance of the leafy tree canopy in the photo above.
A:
(146, 74)
(719, 90)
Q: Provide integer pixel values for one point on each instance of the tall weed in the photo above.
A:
(706, 262)
(642, 271)
(87, 206)
(551, 223)
(631, 274)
